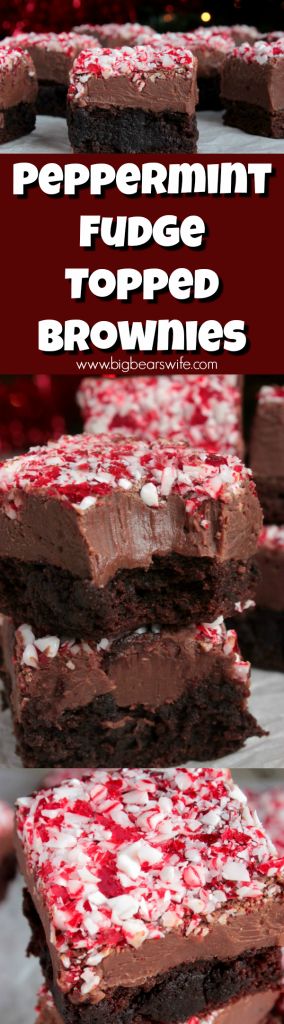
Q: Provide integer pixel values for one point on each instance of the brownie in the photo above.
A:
(261, 628)
(267, 451)
(133, 100)
(269, 804)
(150, 894)
(114, 35)
(156, 698)
(52, 55)
(244, 34)
(7, 852)
(254, 1009)
(205, 411)
(253, 88)
(98, 532)
(18, 93)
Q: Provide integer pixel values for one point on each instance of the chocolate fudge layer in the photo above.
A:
(148, 95)
(7, 852)
(152, 895)
(155, 698)
(251, 1010)
(53, 56)
(267, 452)
(253, 88)
(261, 629)
(114, 35)
(18, 93)
(205, 411)
(96, 533)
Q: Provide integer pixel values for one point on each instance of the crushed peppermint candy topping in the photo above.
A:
(13, 60)
(269, 805)
(201, 39)
(77, 469)
(127, 33)
(67, 43)
(123, 856)
(271, 393)
(261, 52)
(138, 63)
(6, 819)
(36, 652)
(204, 411)
(271, 537)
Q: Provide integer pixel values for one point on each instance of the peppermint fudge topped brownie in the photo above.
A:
(18, 93)
(53, 56)
(115, 35)
(205, 411)
(269, 804)
(100, 528)
(244, 34)
(253, 1009)
(253, 88)
(152, 895)
(261, 628)
(154, 698)
(7, 852)
(267, 451)
(148, 94)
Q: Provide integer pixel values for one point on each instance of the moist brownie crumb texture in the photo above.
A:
(151, 895)
(119, 559)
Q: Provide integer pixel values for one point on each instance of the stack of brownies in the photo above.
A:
(261, 630)
(152, 896)
(118, 560)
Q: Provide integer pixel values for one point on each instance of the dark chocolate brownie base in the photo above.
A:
(17, 121)
(173, 591)
(52, 99)
(209, 92)
(254, 120)
(210, 720)
(130, 131)
(7, 873)
(261, 637)
(171, 997)
(271, 496)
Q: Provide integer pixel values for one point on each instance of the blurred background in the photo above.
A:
(38, 15)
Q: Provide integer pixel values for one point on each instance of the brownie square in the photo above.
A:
(52, 55)
(7, 852)
(253, 88)
(98, 532)
(18, 93)
(205, 411)
(151, 895)
(158, 697)
(266, 451)
(133, 100)
(261, 628)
